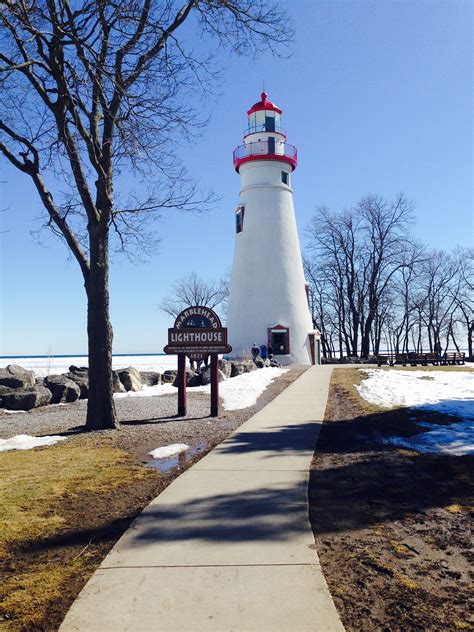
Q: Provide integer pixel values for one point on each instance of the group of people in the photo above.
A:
(263, 351)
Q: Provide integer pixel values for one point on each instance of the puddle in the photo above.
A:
(181, 460)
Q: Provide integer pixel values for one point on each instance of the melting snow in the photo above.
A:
(449, 393)
(26, 442)
(168, 450)
(236, 393)
(456, 438)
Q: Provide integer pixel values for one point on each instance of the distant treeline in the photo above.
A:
(374, 287)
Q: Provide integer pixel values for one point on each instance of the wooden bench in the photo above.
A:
(454, 357)
(391, 359)
(413, 358)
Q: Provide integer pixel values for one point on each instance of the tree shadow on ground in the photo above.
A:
(357, 480)
(368, 484)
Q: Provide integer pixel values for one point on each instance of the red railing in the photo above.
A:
(272, 150)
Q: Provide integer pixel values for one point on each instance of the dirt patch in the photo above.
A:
(64, 507)
(392, 527)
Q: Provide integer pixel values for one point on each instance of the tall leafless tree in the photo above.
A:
(91, 89)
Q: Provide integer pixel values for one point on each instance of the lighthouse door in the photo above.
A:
(271, 145)
(279, 340)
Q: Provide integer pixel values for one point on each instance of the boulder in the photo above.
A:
(130, 378)
(15, 376)
(206, 376)
(22, 399)
(259, 362)
(242, 366)
(225, 366)
(275, 363)
(117, 385)
(192, 378)
(150, 378)
(82, 380)
(169, 376)
(79, 369)
(62, 388)
(5, 390)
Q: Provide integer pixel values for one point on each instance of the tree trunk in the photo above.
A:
(100, 406)
(470, 332)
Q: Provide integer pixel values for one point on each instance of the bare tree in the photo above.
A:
(465, 296)
(357, 254)
(94, 88)
(193, 290)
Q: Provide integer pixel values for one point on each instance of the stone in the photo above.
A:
(79, 369)
(266, 362)
(22, 399)
(150, 378)
(193, 378)
(169, 376)
(15, 376)
(206, 376)
(242, 366)
(82, 380)
(130, 378)
(117, 385)
(225, 366)
(259, 362)
(5, 390)
(62, 388)
(275, 363)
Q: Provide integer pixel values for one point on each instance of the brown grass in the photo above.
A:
(37, 489)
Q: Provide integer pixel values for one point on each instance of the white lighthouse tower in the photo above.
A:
(268, 301)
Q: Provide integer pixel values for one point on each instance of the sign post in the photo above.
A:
(182, 409)
(197, 333)
(214, 386)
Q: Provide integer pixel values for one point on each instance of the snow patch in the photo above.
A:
(243, 390)
(27, 442)
(168, 450)
(236, 393)
(446, 393)
(449, 393)
(456, 439)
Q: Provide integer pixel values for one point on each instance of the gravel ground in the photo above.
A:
(147, 422)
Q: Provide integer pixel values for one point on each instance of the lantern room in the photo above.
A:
(264, 116)
(264, 138)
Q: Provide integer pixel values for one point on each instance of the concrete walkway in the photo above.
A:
(228, 545)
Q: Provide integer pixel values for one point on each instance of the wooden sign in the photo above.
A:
(197, 333)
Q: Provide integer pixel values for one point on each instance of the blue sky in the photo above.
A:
(377, 98)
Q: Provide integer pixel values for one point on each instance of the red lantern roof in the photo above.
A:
(263, 105)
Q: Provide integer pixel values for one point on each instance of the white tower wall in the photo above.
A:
(268, 285)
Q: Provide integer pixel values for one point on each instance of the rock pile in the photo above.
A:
(20, 391)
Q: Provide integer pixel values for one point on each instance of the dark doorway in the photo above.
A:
(279, 340)
(271, 145)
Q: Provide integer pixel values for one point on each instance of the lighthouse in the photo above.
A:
(268, 298)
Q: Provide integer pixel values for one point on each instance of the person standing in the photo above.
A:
(255, 350)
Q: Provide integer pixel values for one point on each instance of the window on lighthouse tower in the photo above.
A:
(239, 219)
